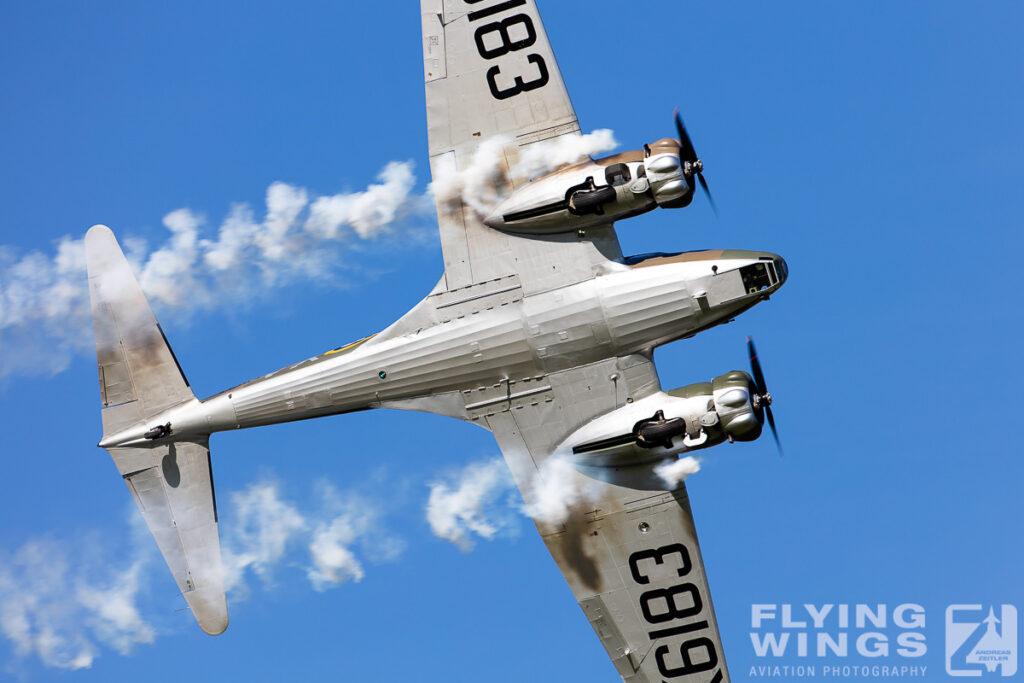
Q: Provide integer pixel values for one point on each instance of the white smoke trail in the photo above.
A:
(548, 155)
(473, 501)
(45, 297)
(481, 183)
(261, 531)
(265, 529)
(480, 500)
(64, 602)
(59, 607)
(485, 180)
(556, 488)
(367, 213)
(115, 616)
(333, 560)
(676, 471)
(559, 486)
(468, 503)
(350, 522)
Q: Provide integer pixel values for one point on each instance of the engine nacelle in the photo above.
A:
(668, 423)
(666, 174)
(597, 192)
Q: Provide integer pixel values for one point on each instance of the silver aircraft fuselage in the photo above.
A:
(449, 346)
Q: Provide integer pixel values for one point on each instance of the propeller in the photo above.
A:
(762, 398)
(692, 165)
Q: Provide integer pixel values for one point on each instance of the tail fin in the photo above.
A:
(171, 481)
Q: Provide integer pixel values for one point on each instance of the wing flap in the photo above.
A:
(603, 623)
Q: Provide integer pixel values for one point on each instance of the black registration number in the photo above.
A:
(670, 612)
(502, 33)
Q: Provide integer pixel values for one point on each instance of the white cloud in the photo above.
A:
(466, 504)
(674, 472)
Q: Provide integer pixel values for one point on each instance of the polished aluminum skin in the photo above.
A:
(539, 330)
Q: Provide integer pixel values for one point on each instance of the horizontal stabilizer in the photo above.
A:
(173, 487)
(139, 375)
(171, 481)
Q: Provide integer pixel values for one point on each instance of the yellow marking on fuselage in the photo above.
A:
(349, 346)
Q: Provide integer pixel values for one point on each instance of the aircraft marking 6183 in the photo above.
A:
(665, 599)
(502, 27)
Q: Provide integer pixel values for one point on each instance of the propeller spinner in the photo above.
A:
(762, 398)
(692, 165)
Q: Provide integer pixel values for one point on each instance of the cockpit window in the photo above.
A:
(638, 258)
(617, 174)
(755, 277)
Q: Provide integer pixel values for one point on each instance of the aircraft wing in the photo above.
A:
(490, 71)
(492, 80)
(626, 546)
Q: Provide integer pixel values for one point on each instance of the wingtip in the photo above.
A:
(99, 240)
(99, 230)
(211, 613)
(214, 626)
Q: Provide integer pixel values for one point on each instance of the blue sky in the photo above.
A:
(875, 145)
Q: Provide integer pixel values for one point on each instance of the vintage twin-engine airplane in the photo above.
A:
(540, 331)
